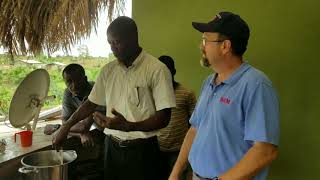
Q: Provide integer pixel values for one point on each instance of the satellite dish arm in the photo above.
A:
(35, 120)
(49, 98)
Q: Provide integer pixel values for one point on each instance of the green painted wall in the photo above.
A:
(284, 43)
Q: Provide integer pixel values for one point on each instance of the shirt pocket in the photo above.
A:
(141, 97)
(134, 96)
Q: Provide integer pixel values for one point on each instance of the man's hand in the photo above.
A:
(86, 139)
(60, 136)
(117, 122)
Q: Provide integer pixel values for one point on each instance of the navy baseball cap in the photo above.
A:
(225, 23)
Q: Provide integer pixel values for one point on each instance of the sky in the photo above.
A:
(97, 43)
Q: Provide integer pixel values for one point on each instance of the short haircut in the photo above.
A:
(168, 61)
(238, 46)
(124, 27)
(74, 68)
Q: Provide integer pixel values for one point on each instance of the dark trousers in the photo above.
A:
(89, 163)
(168, 160)
(137, 161)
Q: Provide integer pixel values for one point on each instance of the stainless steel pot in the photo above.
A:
(46, 165)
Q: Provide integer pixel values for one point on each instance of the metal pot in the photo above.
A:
(46, 165)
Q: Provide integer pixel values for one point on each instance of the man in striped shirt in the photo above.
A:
(171, 137)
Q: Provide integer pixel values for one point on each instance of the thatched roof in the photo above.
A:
(30, 26)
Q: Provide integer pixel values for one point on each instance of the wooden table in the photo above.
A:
(10, 159)
(89, 159)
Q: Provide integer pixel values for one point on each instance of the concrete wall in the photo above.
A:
(284, 44)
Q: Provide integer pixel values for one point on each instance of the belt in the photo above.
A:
(132, 142)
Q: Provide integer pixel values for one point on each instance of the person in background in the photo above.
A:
(89, 148)
(171, 137)
(234, 131)
(137, 91)
(77, 91)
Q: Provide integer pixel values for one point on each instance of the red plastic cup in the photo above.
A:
(25, 137)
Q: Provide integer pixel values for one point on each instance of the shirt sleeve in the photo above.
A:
(262, 115)
(194, 120)
(191, 102)
(162, 89)
(68, 107)
(97, 94)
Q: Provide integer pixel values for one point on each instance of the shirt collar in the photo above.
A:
(238, 73)
(139, 59)
(136, 62)
(235, 75)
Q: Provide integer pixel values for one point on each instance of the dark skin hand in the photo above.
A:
(82, 126)
(82, 130)
(82, 112)
(117, 122)
(159, 120)
(87, 139)
(60, 136)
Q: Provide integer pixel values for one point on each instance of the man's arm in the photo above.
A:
(86, 109)
(82, 126)
(68, 108)
(259, 156)
(182, 160)
(82, 130)
(85, 125)
(159, 120)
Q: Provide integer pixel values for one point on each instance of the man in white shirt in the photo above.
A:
(137, 89)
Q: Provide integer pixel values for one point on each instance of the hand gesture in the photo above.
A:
(117, 122)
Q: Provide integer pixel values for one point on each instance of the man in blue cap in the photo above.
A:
(234, 131)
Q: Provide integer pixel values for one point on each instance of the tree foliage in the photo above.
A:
(35, 26)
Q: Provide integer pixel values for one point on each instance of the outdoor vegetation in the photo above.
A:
(12, 75)
(37, 26)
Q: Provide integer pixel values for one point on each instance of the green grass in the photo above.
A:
(12, 75)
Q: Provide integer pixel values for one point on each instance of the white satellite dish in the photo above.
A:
(29, 98)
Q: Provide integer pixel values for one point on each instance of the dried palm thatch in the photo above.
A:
(30, 26)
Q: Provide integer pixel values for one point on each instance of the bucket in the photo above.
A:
(46, 165)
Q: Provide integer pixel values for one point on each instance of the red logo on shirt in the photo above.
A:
(224, 100)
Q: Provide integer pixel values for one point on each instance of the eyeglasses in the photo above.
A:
(204, 41)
